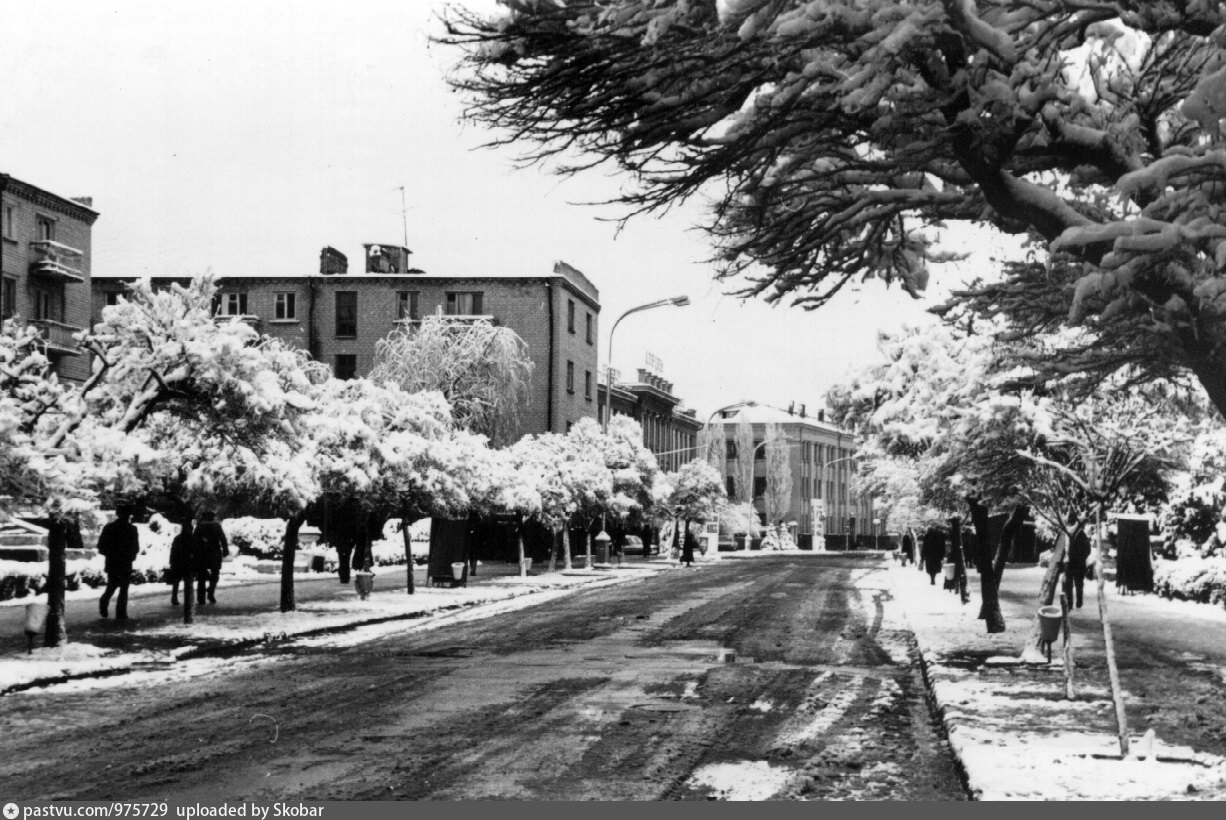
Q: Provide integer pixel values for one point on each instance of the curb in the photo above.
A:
(224, 648)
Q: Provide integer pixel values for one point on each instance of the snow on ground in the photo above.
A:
(746, 780)
(1015, 734)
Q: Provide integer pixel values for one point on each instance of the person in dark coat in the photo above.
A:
(908, 548)
(932, 552)
(181, 553)
(211, 548)
(119, 543)
(1078, 557)
(688, 545)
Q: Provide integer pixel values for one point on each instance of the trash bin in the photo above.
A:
(36, 622)
(1050, 620)
(317, 563)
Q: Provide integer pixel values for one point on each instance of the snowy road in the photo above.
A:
(785, 677)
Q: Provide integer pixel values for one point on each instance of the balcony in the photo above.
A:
(57, 336)
(53, 260)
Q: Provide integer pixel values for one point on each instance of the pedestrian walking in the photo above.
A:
(932, 552)
(181, 552)
(908, 548)
(211, 548)
(119, 543)
(1078, 557)
(688, 545)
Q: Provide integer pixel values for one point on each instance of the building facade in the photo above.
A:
(821, 462)
(669, 430)
(45, 269)
(338, 317)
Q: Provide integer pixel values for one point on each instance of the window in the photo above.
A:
(587, 385)
(591, 330)
(464, 303)
(406, 305)
(346, 314)
(112, 298)
(759, 486)
(730, 486)
(42, 303)
(45, 227)
(230, 304)
(730, 449)
(346, 366)
(285, 306)
(8, 297)
(570, 315)
(570, 377)
(6, 216)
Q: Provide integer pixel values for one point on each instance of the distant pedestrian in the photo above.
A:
(688, 545)
(932, 552)
(119, 543)
(1078, 557)
(181, 551)
(908, 548)
(211, 548)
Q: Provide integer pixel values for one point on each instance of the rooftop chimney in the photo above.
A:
(802, 411)
(387, 259)
(332, 261)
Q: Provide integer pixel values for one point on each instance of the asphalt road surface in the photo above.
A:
(786, 677)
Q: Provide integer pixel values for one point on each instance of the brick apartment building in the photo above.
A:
(669, 430)
(45, 268)
(338, 316)
(821, 457)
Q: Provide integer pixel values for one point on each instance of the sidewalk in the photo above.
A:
(1009, 724)
(247, 615)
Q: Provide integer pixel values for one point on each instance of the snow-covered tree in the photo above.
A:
(567, 479)
(838, 137)
(743, 436)
(694, 492)
(778, 495)
(214, 405)
(633, 468)
(483, 370)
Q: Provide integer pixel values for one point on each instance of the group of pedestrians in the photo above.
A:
(933, 553)
(195, 552)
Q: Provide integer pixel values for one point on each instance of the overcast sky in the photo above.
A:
(244, 136)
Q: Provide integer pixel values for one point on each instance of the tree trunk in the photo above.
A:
(405, 524)
(55, 631)
(993, 568)
(587, 547)
(955, 543)
(344, 554)
(289, 549)
(566, 547)
(1033, 650)
(519, 536)
(553, 550)
(189, 592)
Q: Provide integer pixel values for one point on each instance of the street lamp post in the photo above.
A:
(678, 301)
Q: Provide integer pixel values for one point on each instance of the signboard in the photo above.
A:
(710, 537)
(654, 363)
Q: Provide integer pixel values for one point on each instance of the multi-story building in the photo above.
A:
(821, 462)
(338, 316)
(45, 268)
(669, 430)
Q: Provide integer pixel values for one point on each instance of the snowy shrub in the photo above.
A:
(1192, 579)
(261, 537)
